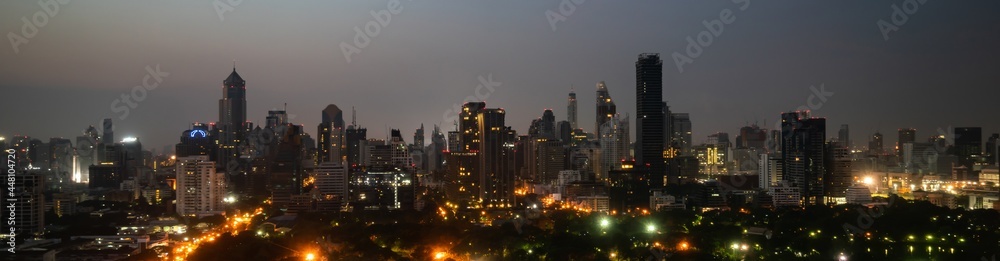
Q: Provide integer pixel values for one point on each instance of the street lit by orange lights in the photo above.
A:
(683, 246)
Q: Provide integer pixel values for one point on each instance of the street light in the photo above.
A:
(310, 257)
(605, 223)
(650, 228)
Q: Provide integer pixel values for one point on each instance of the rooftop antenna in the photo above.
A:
(234, 65)
(354, 116)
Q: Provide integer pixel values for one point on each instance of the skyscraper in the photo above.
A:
(906, 135)
(844, 136)
(194, 142)
(803, 154)
(605, 107)
(838, 171)
(571, 110)
(331, 182)
(615, 143)
(968, 145)
(331, 135)
(875, 145)
(649, 107)
(108, 136)
(991, 149)
(496, 156)
(199, 188)
(548, 125)
(232, 124)
(682, 131)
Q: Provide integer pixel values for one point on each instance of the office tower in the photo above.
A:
(331, 182)
(434, 151)
(605, 107)
(355, 139)
(769, 170)
(906, 135)
(496, 158)
(991, 149)
(86, 150)
(649, 108)
(724, 150)
(454, 141)
(564, 132)
(134, 162)
(105, 175)
(195, 142)
(668, 128)
(615, 144)
(284, 169)
(108, 136)
(752, 137)
(548, 125)
(232, 125)
(331, 135)
(24, 207)
(276, 118)
(838, 171)
(399, 151)
(844, 136)
(968, 145)
(200, 189)
(418, 137)
(875, 145)
(377, 154)
(571, 110)
(802, 153)
(682, 131)
(550, 159)
(469, 126)
(61, 159)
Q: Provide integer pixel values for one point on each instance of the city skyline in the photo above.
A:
(716, 104)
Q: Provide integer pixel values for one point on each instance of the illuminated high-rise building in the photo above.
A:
(968, 145)
(906, 135)
(649, 143)
(682, 132)
(331, 135)
(200, 189)
(605, 107)
(615, 141)
(803, 154)
(571, 110)
(232, 125)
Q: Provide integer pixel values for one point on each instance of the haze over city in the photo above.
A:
(429, 56)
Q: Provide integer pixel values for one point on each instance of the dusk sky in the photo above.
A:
(940, 69)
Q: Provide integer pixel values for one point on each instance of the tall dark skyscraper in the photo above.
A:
(548, 125)
(803, 154)
(571, 110)
(844, 136)
(496, 158)
(649, 117)
(108, 136)
(991, 149)
(968, 145)
(331, 135)
(876, 145)
(906, 135)
(605, 107)
(232, 118)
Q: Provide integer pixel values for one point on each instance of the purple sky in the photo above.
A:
(939, 69)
